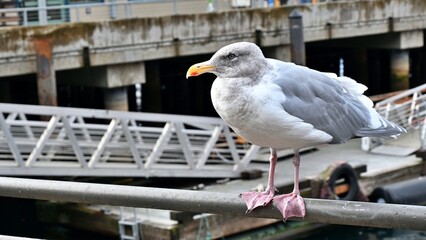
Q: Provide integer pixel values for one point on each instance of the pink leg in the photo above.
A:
(259, 199)
(292, 204)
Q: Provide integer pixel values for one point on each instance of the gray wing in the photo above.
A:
(320, 100)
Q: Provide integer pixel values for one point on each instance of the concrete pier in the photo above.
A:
(116, 99)
(400, 69)
(111, 54)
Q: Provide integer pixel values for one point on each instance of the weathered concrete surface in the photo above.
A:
(108, 76)
(46, 81)
(136, 40)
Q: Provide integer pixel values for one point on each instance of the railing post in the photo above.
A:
(412, 109)
(25, 18)
(42, 12)
(174, 7)
(77, 14)
(388, 107)
(112, 10)
(127, 10)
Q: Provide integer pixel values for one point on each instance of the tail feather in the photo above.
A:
(378, 126)
(388, 129)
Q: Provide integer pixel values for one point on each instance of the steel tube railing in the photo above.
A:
(321, 211)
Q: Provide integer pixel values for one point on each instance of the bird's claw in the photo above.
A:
(290, 205)
(256, 199)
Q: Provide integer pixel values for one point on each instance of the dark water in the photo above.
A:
(20, 218)
(307, 231)
(364, 233)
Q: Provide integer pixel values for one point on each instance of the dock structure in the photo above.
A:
(129, 46)
(57, 141)
(124, 49)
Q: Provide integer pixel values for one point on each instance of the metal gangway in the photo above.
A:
(61, 141)
(407, 109)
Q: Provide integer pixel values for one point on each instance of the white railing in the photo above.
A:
(407, 109)
(42, 140)
(121, 9)
(42, 15)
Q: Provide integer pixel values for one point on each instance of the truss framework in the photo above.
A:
(58, 141)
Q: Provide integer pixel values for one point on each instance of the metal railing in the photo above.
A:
(317, 210)
(122, 9)
(43, 140)
(407, 109)
(101, 11)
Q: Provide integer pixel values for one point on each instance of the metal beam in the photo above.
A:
(42, 141)
(102, 144)
(11, 143)
(321, 211)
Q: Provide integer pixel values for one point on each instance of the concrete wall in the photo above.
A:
(142, 39)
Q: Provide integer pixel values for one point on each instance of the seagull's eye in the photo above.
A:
(231, 56)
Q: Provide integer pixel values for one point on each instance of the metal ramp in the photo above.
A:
(408, 109)
(59, 141)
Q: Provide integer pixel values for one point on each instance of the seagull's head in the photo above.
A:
(240, 59)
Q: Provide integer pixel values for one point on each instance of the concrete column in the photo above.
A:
(116, 99)
(282, 53)
(297, 42)
(151, 90)
(46, 80)
(400, 69)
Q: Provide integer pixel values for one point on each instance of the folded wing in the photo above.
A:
(335, 105)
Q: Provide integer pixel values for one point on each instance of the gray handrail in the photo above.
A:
(317, 210)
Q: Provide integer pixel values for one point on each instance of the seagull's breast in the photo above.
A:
(255, 112)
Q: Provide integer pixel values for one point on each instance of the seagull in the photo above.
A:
(281, 105)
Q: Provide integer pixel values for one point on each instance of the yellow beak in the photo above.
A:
(198, 69)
